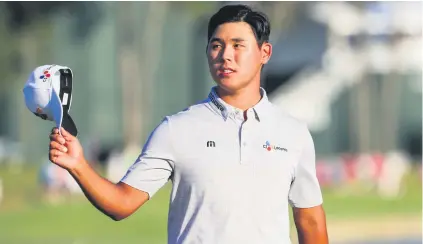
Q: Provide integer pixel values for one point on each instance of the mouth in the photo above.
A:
(225, 71)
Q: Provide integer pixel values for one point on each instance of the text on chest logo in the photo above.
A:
(269, 147)
(211, 144)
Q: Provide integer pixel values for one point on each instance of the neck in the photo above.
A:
(243, 99)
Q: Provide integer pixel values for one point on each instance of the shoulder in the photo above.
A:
(190, 116)
(181, 123)
(285, 120)
(290, 127)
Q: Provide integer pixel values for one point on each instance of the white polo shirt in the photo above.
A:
(232, 178)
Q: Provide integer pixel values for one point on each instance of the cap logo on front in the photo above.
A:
(45, 76)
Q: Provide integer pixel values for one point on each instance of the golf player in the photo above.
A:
(236, 162)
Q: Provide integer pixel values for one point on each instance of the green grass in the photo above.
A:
(26, 219)
(82, 222)
(371, 204)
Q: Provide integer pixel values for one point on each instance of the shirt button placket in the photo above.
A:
(244, 143)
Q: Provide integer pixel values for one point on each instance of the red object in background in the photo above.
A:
(323, 173)
(320, 172)
(349, 162)
(378, 159)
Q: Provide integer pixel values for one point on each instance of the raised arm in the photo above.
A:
(150, 172)
(117, 201)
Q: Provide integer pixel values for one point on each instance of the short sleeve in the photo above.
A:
(154, 167)
(305, 190)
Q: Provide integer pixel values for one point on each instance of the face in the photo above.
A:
(234, 57)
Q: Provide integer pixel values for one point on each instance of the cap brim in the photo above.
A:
(69, 125)
(61, 118)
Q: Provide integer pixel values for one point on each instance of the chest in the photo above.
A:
(250, 154)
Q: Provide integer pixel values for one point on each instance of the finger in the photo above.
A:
(58, 138)
(54, 155)
(68, 136)
(58, 146)
(55, 130)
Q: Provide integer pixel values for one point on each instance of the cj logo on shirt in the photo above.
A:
(269, 147)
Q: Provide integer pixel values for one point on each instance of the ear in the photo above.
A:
(266, 52)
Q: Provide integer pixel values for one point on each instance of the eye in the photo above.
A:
(237, 45)
(215, 46)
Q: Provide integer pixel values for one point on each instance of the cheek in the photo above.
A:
(212, 58)
(209, 54)
(247, 61)
(209, 57)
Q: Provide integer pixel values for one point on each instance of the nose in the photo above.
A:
(228, 54)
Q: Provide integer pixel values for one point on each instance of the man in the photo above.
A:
(234, 160)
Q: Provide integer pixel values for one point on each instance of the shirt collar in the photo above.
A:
(226, 110)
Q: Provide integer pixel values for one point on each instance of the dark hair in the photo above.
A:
(241, 13)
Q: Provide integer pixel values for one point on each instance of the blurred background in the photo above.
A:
(351, 70)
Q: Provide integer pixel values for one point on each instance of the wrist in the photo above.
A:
(79, 167)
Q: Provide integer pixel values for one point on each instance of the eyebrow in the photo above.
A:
(237, 39)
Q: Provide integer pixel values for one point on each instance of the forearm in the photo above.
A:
(312, 236)
(311, 225)
(106, 196)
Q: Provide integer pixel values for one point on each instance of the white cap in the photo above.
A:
(48, 94)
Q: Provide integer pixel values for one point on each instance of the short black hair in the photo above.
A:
(258, 21)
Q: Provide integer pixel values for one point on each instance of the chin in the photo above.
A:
(229, 85)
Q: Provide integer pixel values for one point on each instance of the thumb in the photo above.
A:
(68, 136)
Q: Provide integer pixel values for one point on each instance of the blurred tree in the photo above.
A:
(193, 8)
(139, 57)
(20, 20)
(20, 15)
(282, 16)
(8, 47)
